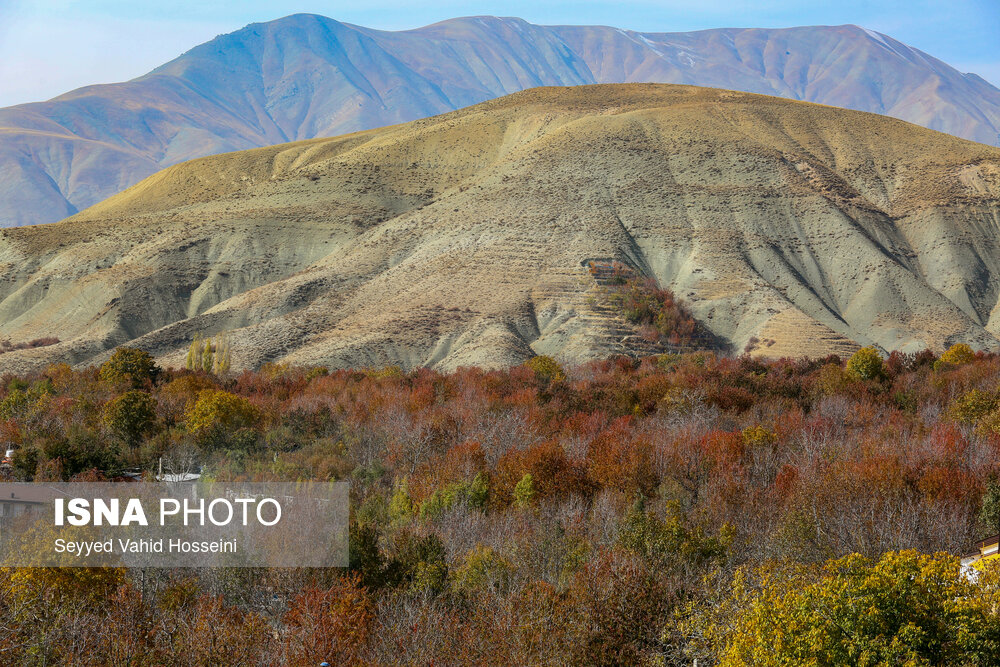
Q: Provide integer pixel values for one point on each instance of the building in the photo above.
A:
(986, 550)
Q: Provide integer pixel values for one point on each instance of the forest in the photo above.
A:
(682, 507)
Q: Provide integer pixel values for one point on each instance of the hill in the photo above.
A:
(307, 76)
(469, 238)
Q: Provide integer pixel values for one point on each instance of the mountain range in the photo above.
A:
(469, 238)
(307, 76)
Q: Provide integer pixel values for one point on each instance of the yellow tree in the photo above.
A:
(906, 608)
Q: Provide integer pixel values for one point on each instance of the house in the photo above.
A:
(986, 550)
(17, 499)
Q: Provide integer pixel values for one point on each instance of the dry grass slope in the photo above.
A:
(461, 239)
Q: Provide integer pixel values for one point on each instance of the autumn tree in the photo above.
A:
(130, 366)
(866, 364)
(331, 625)
(958, 354)
(217, 408)
(131, 416)
(905, 608)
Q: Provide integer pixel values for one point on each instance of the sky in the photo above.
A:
(48, 47)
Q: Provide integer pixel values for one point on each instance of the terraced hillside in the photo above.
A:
(463, 238)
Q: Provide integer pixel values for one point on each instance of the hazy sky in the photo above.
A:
(50, 46)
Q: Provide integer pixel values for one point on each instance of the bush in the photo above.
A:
(546, 369)
(866, 364)
(973, 406)
(130, 366)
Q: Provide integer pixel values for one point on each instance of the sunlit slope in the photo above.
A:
(462, 239)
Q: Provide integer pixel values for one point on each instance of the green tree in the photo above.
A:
(866, 364)
(131, 416)
(130, 366)
(222, 353)
(420, 562)
(483, 568)
(473, 494)
(671, 543)
(524, 491)
(401, 506)
(479, 492)
(989, 512)
(193, 360)
(207, 356)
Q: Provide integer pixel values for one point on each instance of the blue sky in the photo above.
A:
(50, 46)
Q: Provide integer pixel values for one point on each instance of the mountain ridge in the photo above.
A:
(789, 228)
(305, 76)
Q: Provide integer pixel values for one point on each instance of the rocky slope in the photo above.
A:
(465, 238)
(307, 76)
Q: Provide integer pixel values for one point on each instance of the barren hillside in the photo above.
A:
(465, 238)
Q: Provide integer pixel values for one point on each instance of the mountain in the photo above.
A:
(306, 76)
(467, 238)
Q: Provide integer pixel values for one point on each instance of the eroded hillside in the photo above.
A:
(465, 238)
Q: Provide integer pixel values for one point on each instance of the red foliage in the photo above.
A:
(330, 625)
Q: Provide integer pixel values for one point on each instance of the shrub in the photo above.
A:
(973, 406)
(657, 312)
(866, 364)
(546, 368)
(130, 366)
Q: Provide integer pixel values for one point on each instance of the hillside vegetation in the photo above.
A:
(737, 511)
